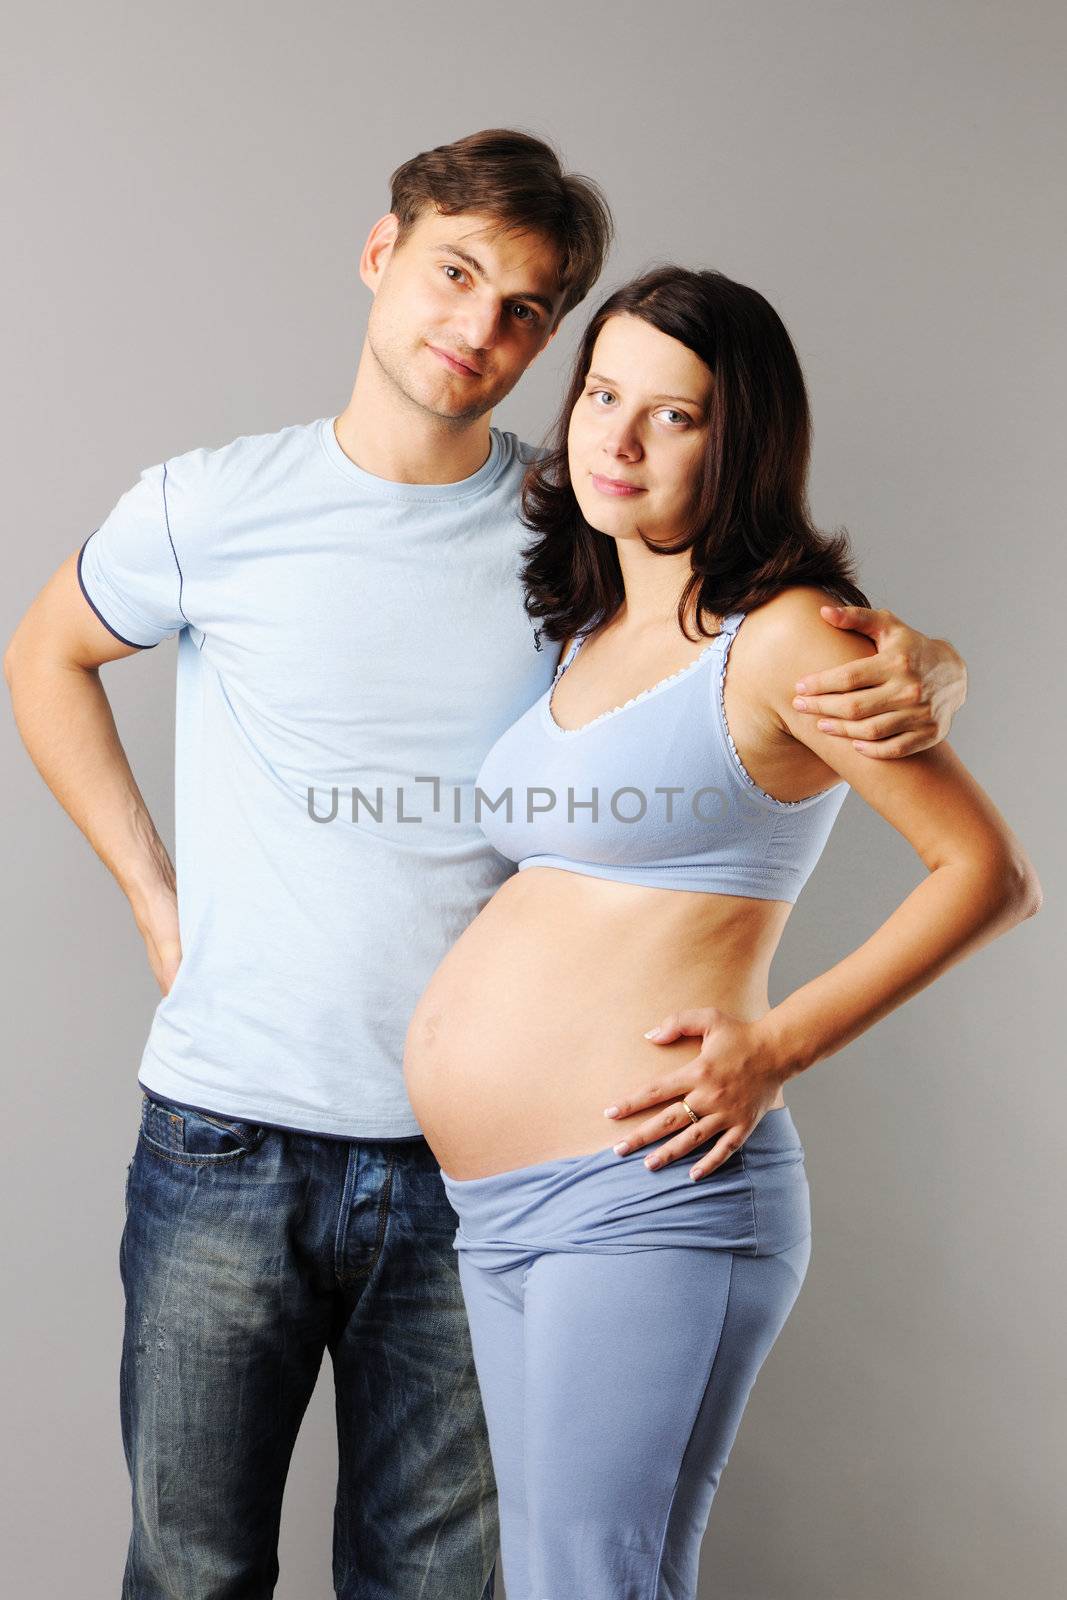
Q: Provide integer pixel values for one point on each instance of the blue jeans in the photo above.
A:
(247, 1251)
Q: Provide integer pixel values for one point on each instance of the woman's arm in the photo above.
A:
(980, 883)
(898, 701)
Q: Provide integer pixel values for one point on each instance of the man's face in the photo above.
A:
(460, 309)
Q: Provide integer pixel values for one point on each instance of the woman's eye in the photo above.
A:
(450, 268)
(681, 415)
(594, 393)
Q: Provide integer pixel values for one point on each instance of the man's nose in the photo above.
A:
(478, 327)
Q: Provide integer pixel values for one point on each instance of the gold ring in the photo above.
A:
(692, 1114)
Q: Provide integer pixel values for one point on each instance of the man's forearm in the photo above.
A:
(66, 724)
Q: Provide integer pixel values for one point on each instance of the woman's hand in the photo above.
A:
(730, 1084)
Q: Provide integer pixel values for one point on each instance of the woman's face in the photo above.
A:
(641, 421)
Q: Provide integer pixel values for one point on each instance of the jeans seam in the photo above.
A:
(227, 1126)
(189, 1159)
(383, 1213)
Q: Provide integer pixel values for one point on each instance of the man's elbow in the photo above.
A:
(15, 654)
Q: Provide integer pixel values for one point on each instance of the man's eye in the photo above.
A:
(531, 315)
(449, 267)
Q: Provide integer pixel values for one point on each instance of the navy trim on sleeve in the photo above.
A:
(98, 612)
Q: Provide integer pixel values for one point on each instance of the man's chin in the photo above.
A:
(452, 409)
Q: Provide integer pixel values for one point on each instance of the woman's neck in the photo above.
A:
(652, 589)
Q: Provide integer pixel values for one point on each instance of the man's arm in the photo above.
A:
(894, 703)
(63, 714)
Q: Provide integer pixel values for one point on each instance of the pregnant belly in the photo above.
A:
(534, 1021)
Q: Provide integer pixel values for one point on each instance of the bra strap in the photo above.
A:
(582, 635)
(563, 664)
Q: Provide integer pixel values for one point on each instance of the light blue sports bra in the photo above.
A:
(652, 792)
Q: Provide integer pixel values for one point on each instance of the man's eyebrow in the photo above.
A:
(476, 266)
(598, 377)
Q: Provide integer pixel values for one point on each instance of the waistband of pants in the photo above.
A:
(756, 1202)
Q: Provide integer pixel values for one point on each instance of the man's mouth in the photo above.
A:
(454, 364)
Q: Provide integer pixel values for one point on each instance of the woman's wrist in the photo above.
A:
(790, 1051)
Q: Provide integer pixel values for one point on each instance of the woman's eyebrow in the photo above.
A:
(598, 377)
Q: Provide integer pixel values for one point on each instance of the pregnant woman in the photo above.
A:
(665, 802)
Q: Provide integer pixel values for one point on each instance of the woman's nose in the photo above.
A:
(623, 441)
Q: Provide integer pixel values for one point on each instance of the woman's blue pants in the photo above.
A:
(619, 1317)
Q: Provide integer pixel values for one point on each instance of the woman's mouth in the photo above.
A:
(615, 485)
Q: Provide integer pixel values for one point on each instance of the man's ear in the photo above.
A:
(378, 250)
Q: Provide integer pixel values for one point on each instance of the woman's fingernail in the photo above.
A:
(652, 1032)
(651, 1161)
(824, 724)
(612, 1111)
(621, 1149)
(800, 704)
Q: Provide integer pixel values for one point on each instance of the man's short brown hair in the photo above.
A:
(518, 180)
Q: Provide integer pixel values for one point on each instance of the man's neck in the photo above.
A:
(388, 435)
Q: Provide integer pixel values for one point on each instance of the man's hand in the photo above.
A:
(156, 915)
(891, 704)
(65, 719)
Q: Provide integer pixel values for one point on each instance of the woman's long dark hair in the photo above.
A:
(751, 534)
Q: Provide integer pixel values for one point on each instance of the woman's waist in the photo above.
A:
(514, 1084)
(595, 964)
(756, 1202)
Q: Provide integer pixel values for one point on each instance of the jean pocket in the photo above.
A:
(187, 1135)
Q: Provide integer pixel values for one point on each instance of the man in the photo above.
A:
(350, 620)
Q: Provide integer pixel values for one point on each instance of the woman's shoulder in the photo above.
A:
(780, 642)
(792, 637)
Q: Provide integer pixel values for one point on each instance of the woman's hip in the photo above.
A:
(755, 1203)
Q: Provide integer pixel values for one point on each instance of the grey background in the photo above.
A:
(187, 193)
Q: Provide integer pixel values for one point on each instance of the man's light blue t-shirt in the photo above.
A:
(337, 632)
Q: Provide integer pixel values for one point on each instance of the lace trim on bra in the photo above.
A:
(725, 635)
(633, 700)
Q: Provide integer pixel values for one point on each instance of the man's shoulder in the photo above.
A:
(522, 452)
(220, 473)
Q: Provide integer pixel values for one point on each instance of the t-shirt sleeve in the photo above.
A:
(128, 568)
